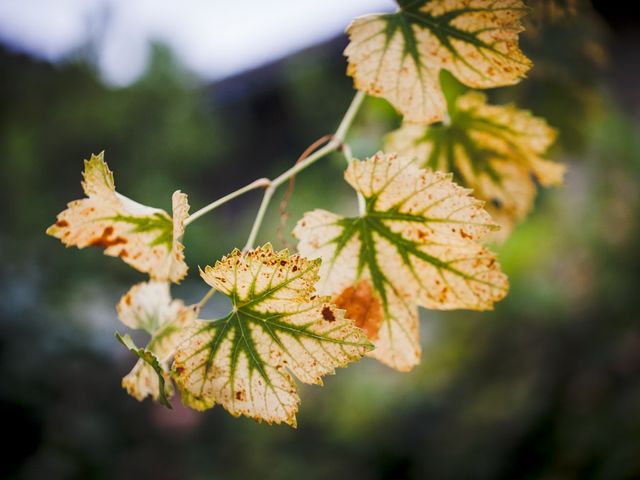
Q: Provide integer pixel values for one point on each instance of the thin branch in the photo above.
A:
(346, 150)
(260, 183)
(332, 146)
(284, 215)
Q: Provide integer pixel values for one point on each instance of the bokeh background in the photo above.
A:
(207, 96)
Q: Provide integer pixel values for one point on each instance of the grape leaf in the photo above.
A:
(149, 306)
(416, 244)
(146, 238)
(277, 327)
(399, 56)
(495, 150)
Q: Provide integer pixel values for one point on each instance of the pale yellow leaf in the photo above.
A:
(278, 328)
(149, 306)
(415, 245)
(399, 56)
(497, 151)
(146, 238)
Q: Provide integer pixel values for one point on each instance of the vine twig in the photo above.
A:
(335, 142)
(346, 151)
(331, 146)
(284, 215)
(261, 182)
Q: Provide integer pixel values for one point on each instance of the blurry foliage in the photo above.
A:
(547, 386)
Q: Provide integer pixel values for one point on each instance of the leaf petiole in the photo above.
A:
(346, 151)
(206, 298)
(260, 183)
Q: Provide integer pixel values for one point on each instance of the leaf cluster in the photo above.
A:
(355, 286)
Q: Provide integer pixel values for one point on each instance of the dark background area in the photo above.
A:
(546, 386)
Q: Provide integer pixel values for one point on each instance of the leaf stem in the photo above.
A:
(262, 210)
(260, 183)
(349, 116)
(346, 150)
(206, 298)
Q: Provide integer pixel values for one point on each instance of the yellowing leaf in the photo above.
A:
(277, 328)
(415, 245)
(146, 238)
(149, 306)
(494, 150)
(399, 56)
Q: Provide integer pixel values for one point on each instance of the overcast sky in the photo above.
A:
(213, 38)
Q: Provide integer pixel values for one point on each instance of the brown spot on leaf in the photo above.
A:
(362, 306)
(240, 396)
(328, 315)
(62, 223)
(444, 293)
(105, 240)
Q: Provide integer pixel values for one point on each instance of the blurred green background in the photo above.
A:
(546, 386)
